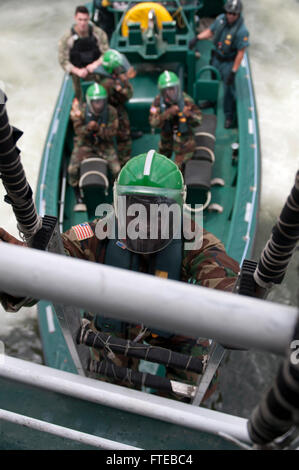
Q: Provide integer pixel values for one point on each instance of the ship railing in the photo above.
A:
(164, 304)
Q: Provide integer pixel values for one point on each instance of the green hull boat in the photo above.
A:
(64, 408)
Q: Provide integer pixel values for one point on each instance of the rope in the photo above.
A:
(179, 20)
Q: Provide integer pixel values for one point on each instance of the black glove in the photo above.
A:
(192, 42)
(231, 78)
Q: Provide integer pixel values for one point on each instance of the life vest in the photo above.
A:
(227, 47)
(165, 263)
(85, 50)
(179, 121)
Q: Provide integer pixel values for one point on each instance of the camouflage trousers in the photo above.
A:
(123, 136)
(183, 146)
(180, 344)
(83, 151)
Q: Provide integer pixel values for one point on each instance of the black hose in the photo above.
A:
(128, 348)
(19, 193)
(281, 245)
(108, 369)
(279, 409)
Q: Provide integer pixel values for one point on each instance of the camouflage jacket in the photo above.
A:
(67, 41)
(119, 91)
(106, 131)
(157, 117)
(208, 266)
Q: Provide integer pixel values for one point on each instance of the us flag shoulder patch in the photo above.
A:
(83, 231)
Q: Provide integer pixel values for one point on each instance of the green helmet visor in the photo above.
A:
(148, 223)
(178, 195)
(171, 94)
(97, 106)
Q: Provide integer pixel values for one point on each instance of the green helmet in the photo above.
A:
(151, 174)
(168, 79)
(154, 182)
(169, 86)
(112, 59)
(95, 92)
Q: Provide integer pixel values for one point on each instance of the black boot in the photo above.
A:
(228, 123)
(79, 206)
(136, 134)
(206, 104)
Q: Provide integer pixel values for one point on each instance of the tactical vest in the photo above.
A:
(85, 50)
(166, 263)
(227, 48)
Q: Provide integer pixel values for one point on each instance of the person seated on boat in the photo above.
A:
(80, 49)
(114, 74)
(95, 124)
(178, 251)
(176, 114)
(230, 38)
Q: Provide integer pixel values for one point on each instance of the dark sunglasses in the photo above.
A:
(232, 14)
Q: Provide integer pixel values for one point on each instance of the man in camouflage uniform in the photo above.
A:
(114, 73)
(81, 48)
(153, 179)
(95, 124)
(177, 116)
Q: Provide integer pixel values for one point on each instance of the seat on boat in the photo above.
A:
(93, 182)
(198, 170)
(207, 88)
(169, 31)
(93, 173)
(135, 34)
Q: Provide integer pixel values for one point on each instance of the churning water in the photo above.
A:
(31, 77)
